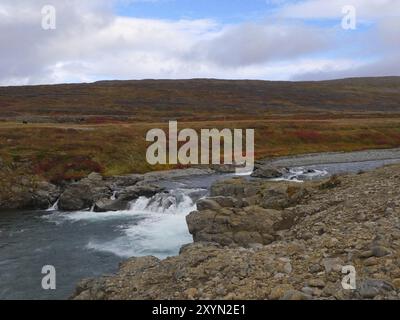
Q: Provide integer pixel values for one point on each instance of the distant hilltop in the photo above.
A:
(198, 99)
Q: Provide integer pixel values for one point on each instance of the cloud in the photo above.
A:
(251, 44)
(322, 9)
(92, 43)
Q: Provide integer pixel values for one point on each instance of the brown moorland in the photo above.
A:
(64, 132)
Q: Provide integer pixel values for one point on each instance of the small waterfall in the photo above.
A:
(160, 229)
(178, 201)
(54, 207)
(114, 196)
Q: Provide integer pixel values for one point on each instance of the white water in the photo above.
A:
(161, 231)
(151, 226)
(300, 174)
(54, 207)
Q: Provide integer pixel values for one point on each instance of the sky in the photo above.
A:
(180, 39)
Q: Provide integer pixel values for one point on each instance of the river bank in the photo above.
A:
(90, 243)
(24, 192)
(255, 239)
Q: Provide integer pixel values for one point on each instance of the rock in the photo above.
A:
(308, 291)
(279, 291)
(104, 205)
(332, 183)
(372, 261)
(238, 188)
(287, 268)
(266, 172)
(281, 195)
(396, 283)
(83, 194)
(191, 293)
(229, 202)
(333, 264)
(317, 283)
(207, 204)
(370, 288)
(27, 192)
(253, 225)
(315, 268)
(94, 176)
(295, 295)
(380, 251)
(141, 189)
(366, 254)
(45, 195)
(76, 197)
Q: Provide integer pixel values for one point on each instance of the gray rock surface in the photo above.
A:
(250, 252)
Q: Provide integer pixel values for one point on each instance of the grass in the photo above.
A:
(70, 151)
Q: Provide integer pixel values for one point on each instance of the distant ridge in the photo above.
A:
(189, 99)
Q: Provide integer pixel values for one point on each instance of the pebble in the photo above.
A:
(317, 283)
(380, 251)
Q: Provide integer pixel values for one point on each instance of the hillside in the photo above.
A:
(65, 132)
(198, 99)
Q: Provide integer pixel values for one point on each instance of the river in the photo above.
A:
(88, 244)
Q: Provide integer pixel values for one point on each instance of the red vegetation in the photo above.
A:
(308, 135)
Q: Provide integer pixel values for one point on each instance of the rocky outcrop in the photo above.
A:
(267, 172)
(242, 226)
(352, 223)
(83, 194)
(269, 195)
(142, 189)
(21, 191)
(251, 215)
(26, 192)
(96, 191)
(106, 205)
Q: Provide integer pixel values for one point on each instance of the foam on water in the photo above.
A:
(159, 235)
(151, 226)
(301, 174)
(161, 232)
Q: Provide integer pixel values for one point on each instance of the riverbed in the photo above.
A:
(87, 244)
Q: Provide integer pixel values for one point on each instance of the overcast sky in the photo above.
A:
(169, 39)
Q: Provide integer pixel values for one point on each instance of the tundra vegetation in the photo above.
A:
(65, 132)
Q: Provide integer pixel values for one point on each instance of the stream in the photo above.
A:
(86, 244)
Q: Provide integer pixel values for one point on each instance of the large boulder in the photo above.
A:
(45, 195)
(281, 195)
(266, 172)
(238, 188)
(142, 189)
(76, 197)
(27, 192)
(104, 205)
(125, 181)
(240, 226)
(267, 194)
(83, 194)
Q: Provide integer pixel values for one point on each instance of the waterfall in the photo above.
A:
(114, 196)
(178, 201)
(159, 226)
(54, 207)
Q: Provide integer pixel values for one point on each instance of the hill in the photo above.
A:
(197, 99)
